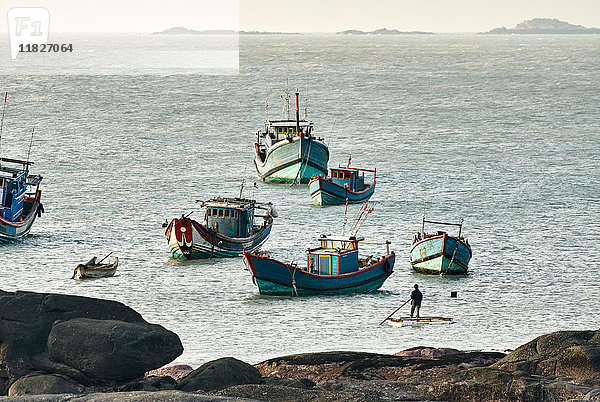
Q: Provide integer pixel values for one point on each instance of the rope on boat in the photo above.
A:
(451, 259)
(302, 161)
(293, 274)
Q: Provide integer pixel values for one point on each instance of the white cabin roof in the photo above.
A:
(288, 123)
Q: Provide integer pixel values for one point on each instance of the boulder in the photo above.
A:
(110, 350)
(486, 384)
(219, 374)
(427, 352)
(26, 319)
(277, 393)
(573, 354)
(177, 372)
(43, 384)
(151, 383)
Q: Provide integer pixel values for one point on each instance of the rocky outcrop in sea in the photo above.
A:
(58, 348)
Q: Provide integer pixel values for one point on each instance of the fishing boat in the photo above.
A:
(20, 195)
(440, 253)
(344, 184)
(96, 269)
(287, 151)
(230, 226)
(333, 268)
(411, 322)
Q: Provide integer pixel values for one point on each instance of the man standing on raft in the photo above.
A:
(415, 300)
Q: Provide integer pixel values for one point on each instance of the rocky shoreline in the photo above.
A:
(58, 348)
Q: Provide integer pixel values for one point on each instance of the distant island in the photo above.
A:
(545, 26)
(186, 31)
(382, 31)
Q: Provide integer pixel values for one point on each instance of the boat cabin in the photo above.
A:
(14, 184)
(335, 256)
(232, 217)
(353, 179)
(278, 130)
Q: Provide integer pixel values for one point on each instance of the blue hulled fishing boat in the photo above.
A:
(20, 196)
(287, 151)
(440, 253)
(344, 184)
(230, 226)
(333, 268)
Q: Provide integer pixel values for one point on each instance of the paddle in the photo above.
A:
(104, 258)
(386, 318)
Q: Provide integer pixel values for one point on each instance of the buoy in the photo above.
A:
(453, 294)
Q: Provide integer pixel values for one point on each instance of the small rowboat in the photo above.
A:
(92, 269)
(407, 321)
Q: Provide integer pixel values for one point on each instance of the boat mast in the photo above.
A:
(297, 115)
(29, 150)
(2, 125)
(306, 101)
(242, 187)
(286, 104)
(423, 225)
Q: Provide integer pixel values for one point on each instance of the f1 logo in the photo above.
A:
(27, 26)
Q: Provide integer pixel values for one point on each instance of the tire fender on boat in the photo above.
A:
(386, 266)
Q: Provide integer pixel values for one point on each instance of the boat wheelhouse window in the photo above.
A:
(226, 213)
(313, 263)
(347, 175)
(220, 212)
(324, 265)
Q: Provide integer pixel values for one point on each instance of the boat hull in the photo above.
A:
(14, 230)
(294, 161)
(325, 192)
(275, 278)
(440, 254)
(190, 240)
(103, 271)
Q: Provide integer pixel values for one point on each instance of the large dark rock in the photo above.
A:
(219, 374)
(44, 384)
(573, 354)
(112, 350)
(138, 396)
(26, 319)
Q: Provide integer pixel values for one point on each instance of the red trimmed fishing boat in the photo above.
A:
(344, 184)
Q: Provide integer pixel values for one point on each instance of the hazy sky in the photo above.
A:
(409, 15)
(303, 15)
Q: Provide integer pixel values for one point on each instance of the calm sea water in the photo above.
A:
(502, 131)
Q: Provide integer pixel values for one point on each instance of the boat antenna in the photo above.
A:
(345, 217)
(460, 227)
(423, 225)
(242, 187)
(297, 115)
(29, 150)
(2, 125)
(306, 101)
(359, 215)
(372, 207)
(287, 96)
(267, 108)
